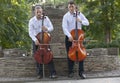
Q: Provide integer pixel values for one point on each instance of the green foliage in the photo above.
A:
(103, 16)
(14, 24)
(96, 44)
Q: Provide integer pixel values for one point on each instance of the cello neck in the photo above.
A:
(76, 24)
(42, 36)
(43, 17)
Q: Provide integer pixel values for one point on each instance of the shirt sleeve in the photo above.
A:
(31, 31)
(49, 24)
(84, 20)
(64, 27)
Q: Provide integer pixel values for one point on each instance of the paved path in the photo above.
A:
(98, 77)
(98, 80)
(91, 80)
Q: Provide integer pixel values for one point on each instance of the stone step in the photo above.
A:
(17, 67)
(25, 66)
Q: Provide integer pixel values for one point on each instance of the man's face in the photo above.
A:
(71, 8)
(38, 13)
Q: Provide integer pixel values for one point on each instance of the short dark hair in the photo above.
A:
(38, 7)
(71, 2)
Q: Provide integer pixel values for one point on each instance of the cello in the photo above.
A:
(43, 55)
(77, 51)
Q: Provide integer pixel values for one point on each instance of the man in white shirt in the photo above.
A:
(35, 27)
(68, 24)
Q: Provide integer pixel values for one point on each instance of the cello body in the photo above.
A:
(77, 51)
(43, 55)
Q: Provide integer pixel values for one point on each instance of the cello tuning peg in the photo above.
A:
(43, 13)
(43, 16)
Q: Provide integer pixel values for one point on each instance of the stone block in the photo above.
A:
(15, 52)
(1, 52)
(97, 51)
(113, 51)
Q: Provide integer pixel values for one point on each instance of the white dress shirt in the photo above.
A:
(35, 26)
(69, 22)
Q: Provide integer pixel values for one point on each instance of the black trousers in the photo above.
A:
(39, 67)
(70, 62)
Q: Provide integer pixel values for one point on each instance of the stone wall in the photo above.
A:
(102, 59)
(17, 67)
(98, 60)
(15, 52)
(24, 66)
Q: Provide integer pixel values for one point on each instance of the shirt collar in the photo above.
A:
(36, 18)
(71, 13)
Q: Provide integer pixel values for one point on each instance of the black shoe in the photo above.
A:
(82, 76)
(70, 75)
(53, 76)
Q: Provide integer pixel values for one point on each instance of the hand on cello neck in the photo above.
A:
(70, 39)
(37, 42)
(78, 20)
(44, 28)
